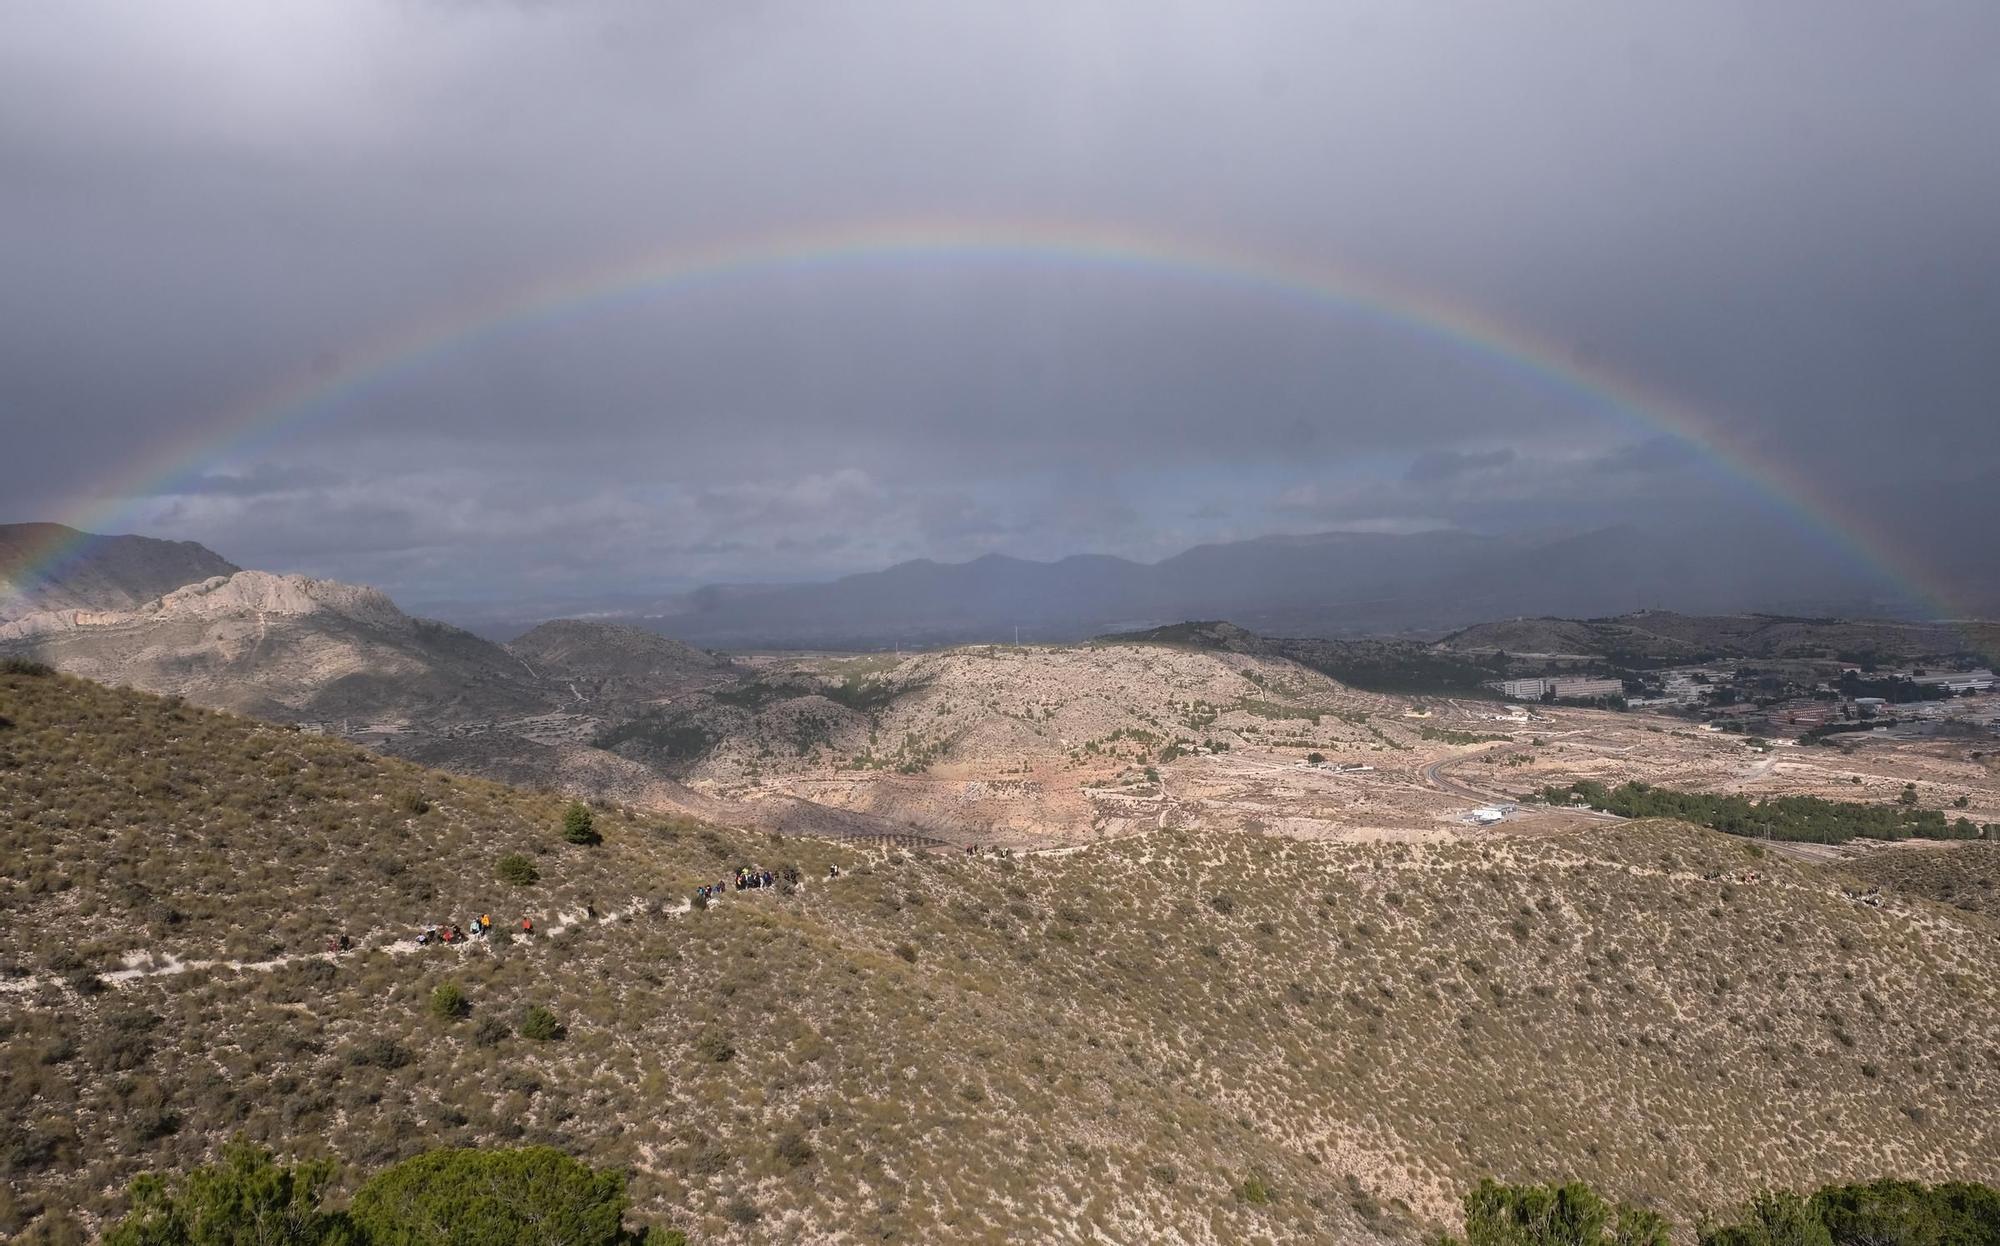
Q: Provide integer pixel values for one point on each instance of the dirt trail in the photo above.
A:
(140, 965)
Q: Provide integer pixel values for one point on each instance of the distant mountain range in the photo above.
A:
(1329, 584)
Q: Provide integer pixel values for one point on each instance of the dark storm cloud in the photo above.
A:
(1778, 214)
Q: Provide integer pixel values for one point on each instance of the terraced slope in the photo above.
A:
(1107, 1043)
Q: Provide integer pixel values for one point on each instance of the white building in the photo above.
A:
(1566, 688)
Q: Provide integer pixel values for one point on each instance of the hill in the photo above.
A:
(90, 572)
(288, 648)
(1372, 664)
(1187, 1036)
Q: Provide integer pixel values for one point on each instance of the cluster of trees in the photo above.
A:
(1896, 689)
(1807, 818)
(531, 1196)
(1878, 1213)
(538, 1196)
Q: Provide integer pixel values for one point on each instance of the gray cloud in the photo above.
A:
(1433, 466)
(1777, 215)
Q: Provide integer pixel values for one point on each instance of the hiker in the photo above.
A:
(486, 923)
(590, 910)
(527, 925)
(428, 937)
(346, 943)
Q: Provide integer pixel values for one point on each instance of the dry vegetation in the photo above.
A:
(1187, 1036)
(1965, 876)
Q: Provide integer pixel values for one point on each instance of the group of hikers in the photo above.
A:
(482, 927)
(749, 877)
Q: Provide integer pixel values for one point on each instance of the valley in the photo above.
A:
(1126, 927)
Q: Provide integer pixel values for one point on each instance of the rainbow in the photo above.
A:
(322, 392)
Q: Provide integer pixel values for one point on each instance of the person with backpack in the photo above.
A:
(527, 925)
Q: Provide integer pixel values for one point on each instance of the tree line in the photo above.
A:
(1810, 819)
(538, 1196)
(454, 1196)
(1875, 1213)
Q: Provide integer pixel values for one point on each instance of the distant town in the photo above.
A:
(1785, 699)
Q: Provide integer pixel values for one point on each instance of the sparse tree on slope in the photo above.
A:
(577, 824)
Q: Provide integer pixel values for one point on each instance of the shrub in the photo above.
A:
(381, 1053)
(245, 1198)
(448, 1002)
(495, 1198)
(715, 1046)
(516, 870)
(907, 951)
(25, 666)
(489, 1031)
(413, 803)
(1222, 904)
(541, 1025)
(1253, 1191)
(578, 826)
(793, 1148)
(1556, 1215)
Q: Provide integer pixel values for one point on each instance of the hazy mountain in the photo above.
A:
(1323, 584)
(94, 572)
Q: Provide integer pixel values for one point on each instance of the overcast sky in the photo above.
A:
(1782, 214)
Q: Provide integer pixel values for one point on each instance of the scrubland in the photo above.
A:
(1189, 1035)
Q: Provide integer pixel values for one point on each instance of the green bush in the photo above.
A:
(247, 1198)
(516, 869)
(448, 1002)
(578, 827)
(1556, 1215)
(466, 1197)
(1253, 1191)
(540, 1024)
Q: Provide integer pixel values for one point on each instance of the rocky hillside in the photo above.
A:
(289, 648)
(48, 567)
(1188, 1036)
(986, 706)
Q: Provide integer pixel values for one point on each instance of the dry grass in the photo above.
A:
(928, 1049)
